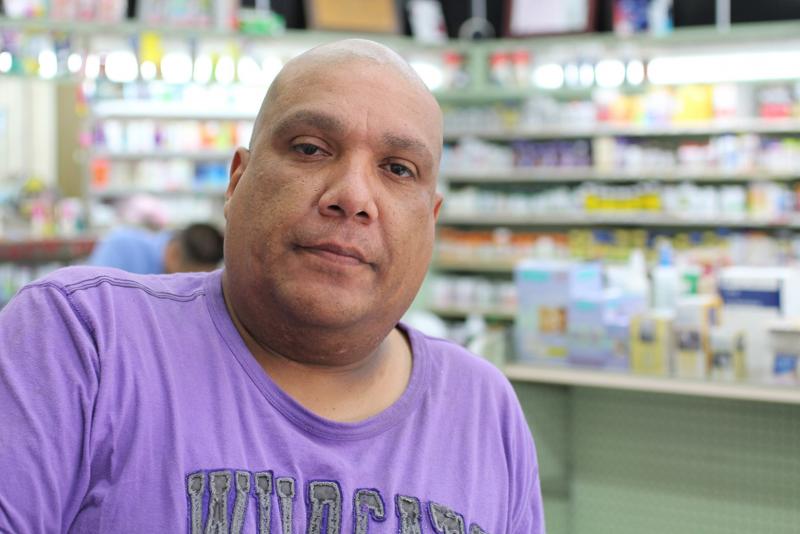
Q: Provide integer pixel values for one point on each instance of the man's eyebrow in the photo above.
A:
(400, 142)
(315, 119)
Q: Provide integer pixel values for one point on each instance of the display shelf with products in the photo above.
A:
(111, 194)
(590, 128)
(490, 314)
(46, 250)
(621, 381)
(578, 166)
(198, 155)
(25, 260)
(559, 175)
(631, 219)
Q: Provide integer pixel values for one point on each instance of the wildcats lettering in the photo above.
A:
(223, 502)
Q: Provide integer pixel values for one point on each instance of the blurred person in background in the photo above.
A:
(198, 247)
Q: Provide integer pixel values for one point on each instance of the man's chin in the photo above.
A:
(327, 309)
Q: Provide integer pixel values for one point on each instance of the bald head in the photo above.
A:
(340, 55)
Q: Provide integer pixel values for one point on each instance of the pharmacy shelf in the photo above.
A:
(298, 38)
(628, 382)
(201, 154)
(127, 192)
(156, 109)
(611, 219)
(457, 312)
(559, 175)
(569, 131)
(46, 250)
(472, 266)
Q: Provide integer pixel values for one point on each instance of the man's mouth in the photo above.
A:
(339, 253)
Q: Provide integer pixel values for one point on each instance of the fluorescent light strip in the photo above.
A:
(549, 76)
(739, 67)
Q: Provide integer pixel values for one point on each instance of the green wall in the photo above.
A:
(621, 462)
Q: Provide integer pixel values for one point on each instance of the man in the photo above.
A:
(196, 248)
(279, 395)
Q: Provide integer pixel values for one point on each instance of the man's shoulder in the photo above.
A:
(452, 361)
(88, 282)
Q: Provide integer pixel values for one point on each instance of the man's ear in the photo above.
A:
(437, 205)
(240, 159)
(173, 257)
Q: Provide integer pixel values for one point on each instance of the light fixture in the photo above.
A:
(176, 67)
(572, 74)
(74, 62)
(586, 74)
(6, 60)
(225, 71)
(148, 70)
(249, 71)
(634, 72)
(48, 64)
(431, 75)
(610, 73)
(92, 67)
(548, 76)
(121, 66)
(203, 68)
(270, 67)
(730, 67)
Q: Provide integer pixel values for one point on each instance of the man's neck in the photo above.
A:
(369, 382)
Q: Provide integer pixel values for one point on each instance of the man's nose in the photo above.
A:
(350, 191)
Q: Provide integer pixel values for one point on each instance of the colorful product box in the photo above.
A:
(651, 342)
(588, 340)
(727, 349)
(694, 317)
(544, 289)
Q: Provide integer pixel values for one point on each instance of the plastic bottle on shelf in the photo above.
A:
(666, 279)
(637, 285)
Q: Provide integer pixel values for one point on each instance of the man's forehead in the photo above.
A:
(318, 82)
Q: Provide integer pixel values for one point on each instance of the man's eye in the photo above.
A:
(306, 148)
(400, 170)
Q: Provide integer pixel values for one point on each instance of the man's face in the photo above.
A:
(332, 220)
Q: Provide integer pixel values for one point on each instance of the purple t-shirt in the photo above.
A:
(130, 403)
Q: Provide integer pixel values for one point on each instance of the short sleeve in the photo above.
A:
(49, 377)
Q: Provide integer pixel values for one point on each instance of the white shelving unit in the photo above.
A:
(560, 175)
(121, 193)
(461, 312)
(611, 219)
(628, 382)
(150, 109)
(751, 125)
(473, 266)
(194, 155)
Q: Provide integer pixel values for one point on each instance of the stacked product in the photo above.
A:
(744, 329)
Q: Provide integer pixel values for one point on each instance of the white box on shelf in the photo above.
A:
(753, 298)
(785, 342)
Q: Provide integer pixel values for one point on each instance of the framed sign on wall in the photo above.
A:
(547, 17)
(376, 16)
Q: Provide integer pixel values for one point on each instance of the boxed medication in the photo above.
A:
(588, 319)
(651, 342)
(727, 354)
(754, 298)
(544, 289)
(694, 317)
(785, 343)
